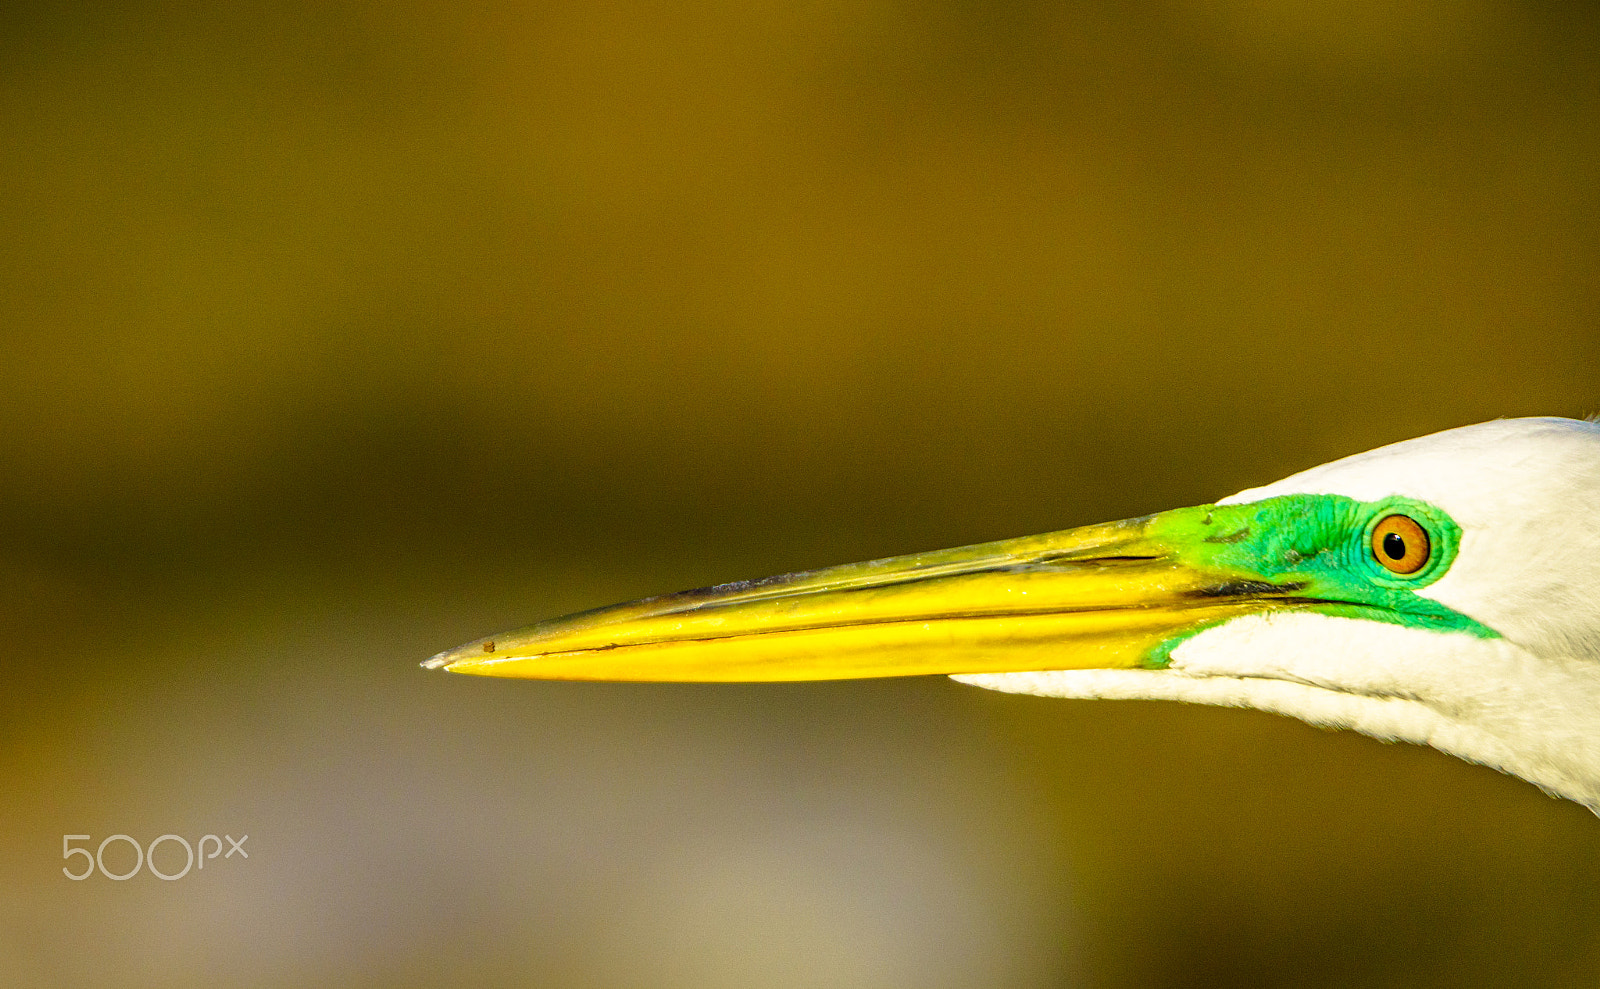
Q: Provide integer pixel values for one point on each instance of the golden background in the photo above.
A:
(333, 337)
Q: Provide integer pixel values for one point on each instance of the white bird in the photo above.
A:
(1444, 590)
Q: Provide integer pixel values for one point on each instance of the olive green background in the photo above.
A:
(334, 336)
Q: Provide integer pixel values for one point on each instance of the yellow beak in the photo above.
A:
(1101, 596)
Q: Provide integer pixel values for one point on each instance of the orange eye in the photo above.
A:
(1400, 544)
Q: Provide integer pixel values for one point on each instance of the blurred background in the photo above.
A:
(331, 337)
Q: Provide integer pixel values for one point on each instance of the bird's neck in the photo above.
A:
(1545, 712)
(1484, 700)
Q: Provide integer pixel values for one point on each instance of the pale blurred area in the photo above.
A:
(331, 338)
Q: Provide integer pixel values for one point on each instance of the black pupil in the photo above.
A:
(1394, 546)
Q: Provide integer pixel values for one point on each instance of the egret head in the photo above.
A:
(1489, 649)
(1444, 590)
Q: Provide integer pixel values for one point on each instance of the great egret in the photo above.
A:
(1444, 590)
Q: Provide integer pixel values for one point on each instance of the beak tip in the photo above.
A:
(441, 661)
